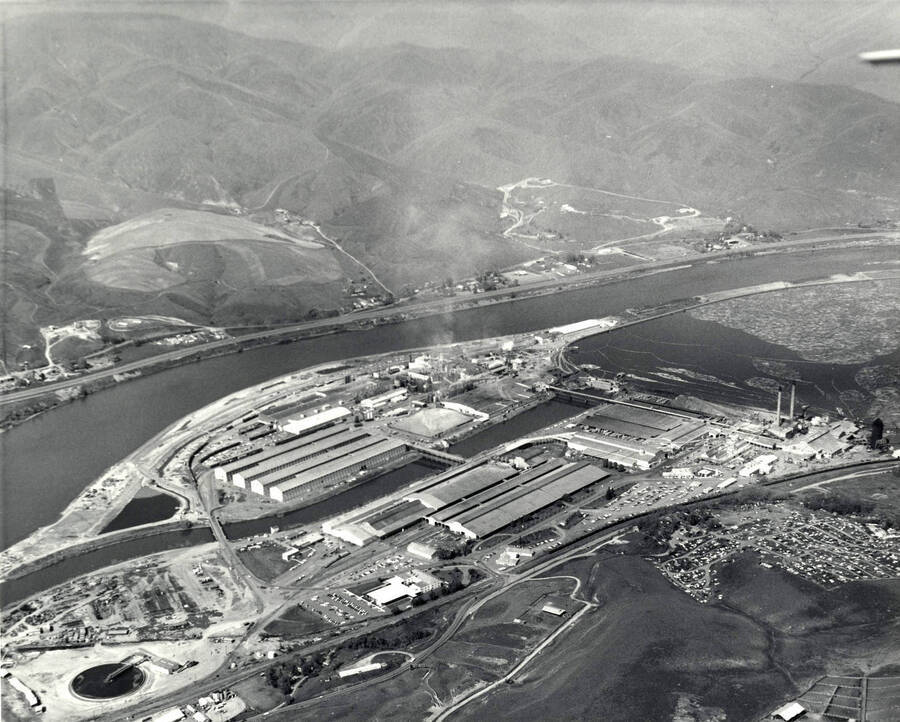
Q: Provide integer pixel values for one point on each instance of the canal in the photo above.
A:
(16, 589)
(13, 590)
(537, 417)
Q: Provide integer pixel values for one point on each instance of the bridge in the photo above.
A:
(443, 457)
(577, 397)
(126, 664)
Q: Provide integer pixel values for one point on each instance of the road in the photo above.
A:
(229, 555)
(439, 305)
(583, 548)
(480, 593)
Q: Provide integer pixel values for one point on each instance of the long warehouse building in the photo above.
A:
(254, 457)
(262, 483)
(478, 502)
(324, 474)
(306, 464)
(257, 476)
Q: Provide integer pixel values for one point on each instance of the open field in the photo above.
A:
(265, 561)
(565, 217)
(879, 491)
(295, 623)
(643, 656)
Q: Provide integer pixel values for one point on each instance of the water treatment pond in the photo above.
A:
(108, 681)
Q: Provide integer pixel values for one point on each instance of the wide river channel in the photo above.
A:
(47, 461)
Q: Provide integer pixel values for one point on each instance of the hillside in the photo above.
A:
(397, 150)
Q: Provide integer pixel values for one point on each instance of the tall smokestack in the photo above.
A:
(793, 396)
(778, 409)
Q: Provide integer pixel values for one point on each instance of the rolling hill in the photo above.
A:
(396, 149)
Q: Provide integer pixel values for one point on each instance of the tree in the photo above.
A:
(280, 675)
(610, 493)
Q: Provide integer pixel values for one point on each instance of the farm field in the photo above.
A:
(169, 247)
(172, 226)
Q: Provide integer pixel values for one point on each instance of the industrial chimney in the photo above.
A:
(793, 395)
(778, 409)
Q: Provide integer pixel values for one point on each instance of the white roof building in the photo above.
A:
(592, 324)
(789, 712)
(760, 465)
(679, 473)
(362, 669)
(393, 590)
(388, 397)
(309, 423)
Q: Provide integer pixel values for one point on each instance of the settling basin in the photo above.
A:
(145, 508)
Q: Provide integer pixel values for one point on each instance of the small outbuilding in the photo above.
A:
(790, 711)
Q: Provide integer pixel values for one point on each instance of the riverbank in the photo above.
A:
(91, 436)
(105, 497)
(49, 396)
(79, 523)
(101, 541)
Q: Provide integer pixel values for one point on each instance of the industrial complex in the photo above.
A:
(636, 436)
(321, 452)
(466, 463)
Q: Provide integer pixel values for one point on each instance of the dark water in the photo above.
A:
(345, 501)
(672, 353)
(92, 682)
(143, 510)
(535, 418)
(16, 589)
(46, 462)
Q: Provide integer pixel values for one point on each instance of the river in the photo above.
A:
(683, 354)
(47, 461)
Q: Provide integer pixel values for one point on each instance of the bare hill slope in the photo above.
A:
(397, 149)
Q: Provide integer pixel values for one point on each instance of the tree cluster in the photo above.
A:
(839, 504)
(280, 676)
